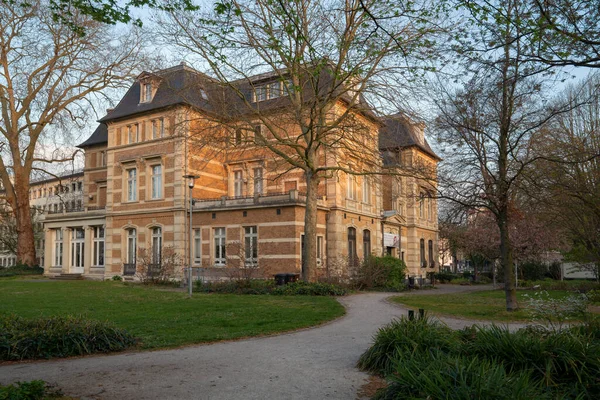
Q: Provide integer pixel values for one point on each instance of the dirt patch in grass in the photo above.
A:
(368, 390)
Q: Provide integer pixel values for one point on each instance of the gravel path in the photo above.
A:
(317, 363)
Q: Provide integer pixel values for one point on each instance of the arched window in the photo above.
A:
(352, 245)
(423, 261)
(431, 258)
(156, 245)
(366, 243)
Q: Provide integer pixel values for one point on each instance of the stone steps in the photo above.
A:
(68, 277)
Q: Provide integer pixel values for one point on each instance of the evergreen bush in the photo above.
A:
(48, 337)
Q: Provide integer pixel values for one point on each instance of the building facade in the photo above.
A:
(56, 195)
(248, 206)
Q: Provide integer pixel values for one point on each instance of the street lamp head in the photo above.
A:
(191, 179)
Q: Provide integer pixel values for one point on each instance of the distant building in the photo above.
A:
(51, 195)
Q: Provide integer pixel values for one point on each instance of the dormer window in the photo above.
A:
(271, 90)
(146, 92)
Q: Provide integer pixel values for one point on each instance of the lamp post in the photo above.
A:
(191, 179)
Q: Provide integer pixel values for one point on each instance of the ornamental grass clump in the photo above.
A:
(423, 359)
(567, 360)
(49, 337)
(439, 375)
(404, 337)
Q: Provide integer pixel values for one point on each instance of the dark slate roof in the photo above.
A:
(178, 85)
(100, 136)
(399, 132)
(184, 85)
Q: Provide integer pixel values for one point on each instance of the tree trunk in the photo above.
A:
(25, 236)
(309, 256)
(506, 258)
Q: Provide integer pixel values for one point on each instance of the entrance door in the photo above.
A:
(77, 250)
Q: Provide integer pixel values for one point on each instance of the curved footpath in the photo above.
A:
(317, 363)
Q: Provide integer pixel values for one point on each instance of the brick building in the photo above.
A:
(248, 206)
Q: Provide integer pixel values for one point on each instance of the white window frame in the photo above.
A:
(147, 95)
(156, 181)
(351, 189)
(238, 183)
(77, 247)
(131, 246)
(260, 93)
(58, 248)
(319, 250)
(156, 244)
(132, 184)
(366, 190)
(273, 90)
(197, 246)
(251, 246)
(99, 246)
(258, 181)
(220, 251)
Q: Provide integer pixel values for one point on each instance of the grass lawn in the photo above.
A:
(165, 318)
(486, 305)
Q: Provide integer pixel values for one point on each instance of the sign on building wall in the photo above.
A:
(391, 240)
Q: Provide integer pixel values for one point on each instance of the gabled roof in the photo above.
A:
(398, 132)
(100, 136)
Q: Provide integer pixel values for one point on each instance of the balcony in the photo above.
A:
(129, 269)
(273, 199)
(73, 212)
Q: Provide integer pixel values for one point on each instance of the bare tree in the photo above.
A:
(487, 124)
(568, 178)
(328, 59)
(157, 264)
(48, 74)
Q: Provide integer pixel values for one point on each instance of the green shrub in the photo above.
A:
(445, 277)
(241, 286)
(258, 286)
(21, 270)
(117, 278)
(381, 273)
(32, 390)
(405, 336)
(532, 270)
(426, 360)
(554, 271)
(438, 375)
(593, 296)
(48, 337)
(309, 289)
(564, 360)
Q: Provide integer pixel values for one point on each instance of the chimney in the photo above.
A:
(419, 132)
(109, 110)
